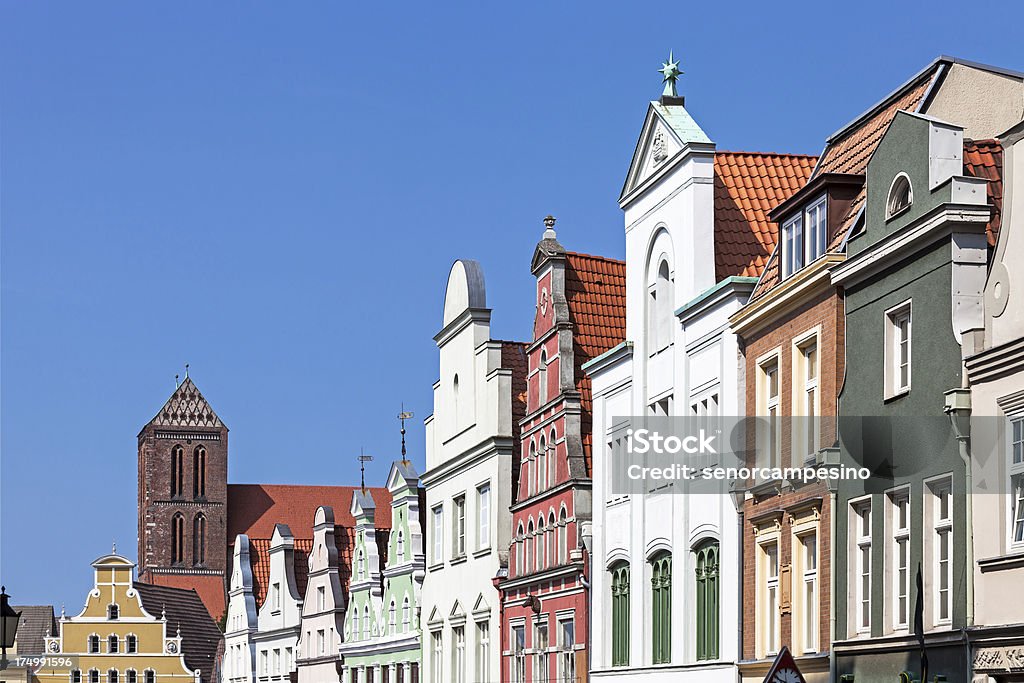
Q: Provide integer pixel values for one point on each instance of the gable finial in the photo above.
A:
(403, 416)
(549, 227)
(363, 459)
(670, 72)
(176, 382)
(113, 547)
(186, 370)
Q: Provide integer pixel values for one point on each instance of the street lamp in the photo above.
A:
(8, 624)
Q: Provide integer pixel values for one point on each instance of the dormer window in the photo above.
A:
(804, 237)
(901, 196)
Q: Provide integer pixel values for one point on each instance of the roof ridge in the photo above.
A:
(766, 154)
(595, 257)
(311, 486)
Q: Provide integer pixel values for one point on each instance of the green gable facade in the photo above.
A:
(913, 283)
(382, 626)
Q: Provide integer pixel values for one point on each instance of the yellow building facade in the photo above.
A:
(120, 637)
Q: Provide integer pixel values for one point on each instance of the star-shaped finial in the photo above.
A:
(670, 71)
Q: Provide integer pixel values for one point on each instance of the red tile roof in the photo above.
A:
(254, 509)
(984, 159)
(514, 358)
(201, 638)
(259, 560)
(595, 291)
(748, 185)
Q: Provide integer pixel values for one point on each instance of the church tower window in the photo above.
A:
(177, 470)
(199, 539)
(177, 539)
(199, 472)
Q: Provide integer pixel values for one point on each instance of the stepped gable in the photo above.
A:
(200, 636)
(748, 185)
(186, 408)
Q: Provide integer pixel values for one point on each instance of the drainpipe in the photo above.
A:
(738, 496)
(830, 457)
(958, 408)
(587, 536)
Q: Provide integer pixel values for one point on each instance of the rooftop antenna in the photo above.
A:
(363, 459)
(403, 416)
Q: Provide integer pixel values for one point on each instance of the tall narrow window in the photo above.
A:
(563, 537)
(177, 539)
(483, 508)
(456, 408)
(529, 471)
(199, 539)
(566, 650)
(113, 611)
(366, 622)
(520, 565)
(707, 601)
(392, 618)
(898, 350)
(518, 647)
(458, 654)
(76, 676)
(661, 608)
(814, 217)
(1017, 481)
(112, 676)
(942, 524)
(792, 245)
(769, 571)
(405, 615)
(94, 676)
(808, 549)
(769, 404)
(438, 514)
(435, 660)
(552, 544)
(808, 354)
(660, 320)
(150, 676)
(542, 464)
(321, 598)
(112, 643)
(199, 472)
(131, 676)
(620, 614)
(541, 544)
(483, 651)
(131, 644)
(528, 544)
(400, 547)
(177, 471)
(862, 565)
(459, 527)
(542, 379)
(361, 565)
(899, 504)
(540, 646)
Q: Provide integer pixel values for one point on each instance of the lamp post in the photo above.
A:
(8, 625)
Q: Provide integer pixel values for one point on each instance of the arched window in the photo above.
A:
(660, 313)
(552, 460)
(405, 615)
(528, 545)
(199, 472)
(707, 600)
(519, 550)
(563, 536)
(392, 612)
(531, 466)
(150, 676)
(456, 410)
(661, 608)
(130, 676)
(177, 470)
(553, 536)
(177, 539)
(131, 644)
(542, 464)
(94, 676)
(361, 567)
(541, 543)
(199, 539)
(542, 379)
(112, 676)
(366, 621)
(75, 676)
(112, 643)
(901, 196)
(400, 547)
(620, 614)
(113, 611)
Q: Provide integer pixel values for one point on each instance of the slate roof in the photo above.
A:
(984, 159)
(186, 408)
(209, 587)
(36, 623)
(748, 185)
(200, 636)
(595, 292)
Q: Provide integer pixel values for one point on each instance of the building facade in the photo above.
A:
(279, 617)
(382, 631)
(472, 449)
(241, 624)
(580, 314)
(132, 632)
(697, 236)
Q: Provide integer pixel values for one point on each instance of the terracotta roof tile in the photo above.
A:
(259, 560)
(254, 509)
(595, 291)
(984, 159)
(209, 588)
(748, 185)
(514, 358)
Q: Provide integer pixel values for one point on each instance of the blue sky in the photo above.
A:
(275, 195)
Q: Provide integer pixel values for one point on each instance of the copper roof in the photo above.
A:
(595, 291)
(984, 159)
(748, 185)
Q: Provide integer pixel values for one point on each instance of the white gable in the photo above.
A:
(667, 133)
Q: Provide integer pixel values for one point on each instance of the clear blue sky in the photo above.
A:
(275, 195)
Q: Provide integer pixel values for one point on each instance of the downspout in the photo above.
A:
(830, 457)
(590, 624)
(958, 408)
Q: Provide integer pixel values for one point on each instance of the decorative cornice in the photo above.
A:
(785, 297)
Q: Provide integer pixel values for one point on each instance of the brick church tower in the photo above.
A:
(183, 496)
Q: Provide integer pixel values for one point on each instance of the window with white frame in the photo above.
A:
(458, 674)
(768, 596)
(277, 661)
(660, 312)
(540, 648)
(483, 651)
(437, 653)
(321, 641)
(899, 523)
(898, 333)
(940, 493)
(806, 397)
(438, 515)
(483, 508)
(660, 408)
(1016, 471)
(861, 550)
(541, 467)
(459, 527)
(518, 648)
(769, 433)
(566, 650)
(542, 379)
(804, 237)
(901, 196)
(806, 591)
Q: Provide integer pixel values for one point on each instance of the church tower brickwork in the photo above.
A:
(182, 496)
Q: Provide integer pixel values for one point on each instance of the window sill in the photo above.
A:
(1012, 560)
(457, 560)
(436, 566)
(893, 395)
(483, 552)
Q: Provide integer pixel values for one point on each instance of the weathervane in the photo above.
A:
(670, 71)
(403, 416)
(363, 459)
